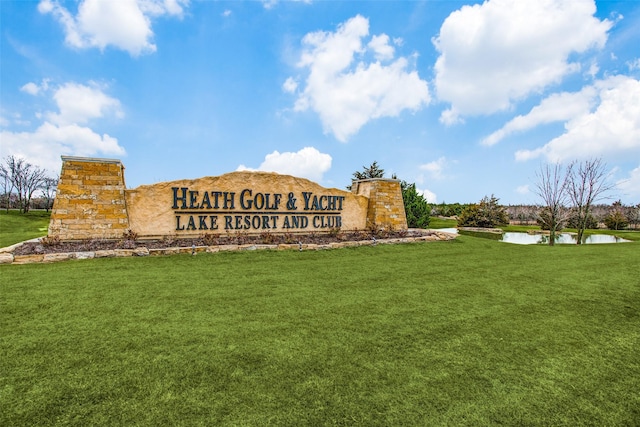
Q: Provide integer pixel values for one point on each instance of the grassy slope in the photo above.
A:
(468, 332)
(16, 227)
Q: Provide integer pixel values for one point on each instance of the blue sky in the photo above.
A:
(465, 99)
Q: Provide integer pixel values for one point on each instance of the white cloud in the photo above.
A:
(45, 146)
(62, 133)
(429, 195)
(611, 130)
(34, 88)
(290, 85)
(523, 189)
(435, 168)
(124, 24)
(500, 51)
(346, 91)
(593, 70)
(557, 107)
(630, 186)
(269, 4)
(634, 65)
(381, 47)
(307, 163)
(79, 104)
(450, 117)
(226, 13)
(30, 88)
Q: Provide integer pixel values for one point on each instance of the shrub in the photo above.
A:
(267, 238)
(210, 239)
(415, 206)
(50, 240)
(486, 214)
(616, 220)
(591, 222)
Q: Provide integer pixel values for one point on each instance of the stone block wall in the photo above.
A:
(386, 207)
(90, 200)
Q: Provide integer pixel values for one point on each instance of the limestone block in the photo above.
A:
(57, 257)
(6, 258)
(141, 252)
(27, 259)
(123, 252)
(288, 246)
(105, 253)
(85, 255)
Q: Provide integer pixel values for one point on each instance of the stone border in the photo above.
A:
(7, 257)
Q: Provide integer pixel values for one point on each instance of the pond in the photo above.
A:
(521, 238)
(561, 238)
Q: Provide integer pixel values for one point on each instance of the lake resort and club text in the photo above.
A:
(254, 210)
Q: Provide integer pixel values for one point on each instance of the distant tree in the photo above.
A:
(449, 209)
(616, 219)
(469, 216)
(32, 180)
(416, 206)
(633, 215)
(486, 214)
(5, 178)
(48, 189)
(551, 187)
(574, 221)
(373, 171)
(545, 221)
(588, 182)
(25, 179)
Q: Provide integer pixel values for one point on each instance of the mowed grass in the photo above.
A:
(17, 227)
(468, 332)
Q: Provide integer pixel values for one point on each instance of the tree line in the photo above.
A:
(568, 195)
(21, 181)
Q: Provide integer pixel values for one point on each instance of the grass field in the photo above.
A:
(16, 227)
(468, 332)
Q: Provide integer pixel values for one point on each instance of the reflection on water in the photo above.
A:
(562, 238)
(520, 238)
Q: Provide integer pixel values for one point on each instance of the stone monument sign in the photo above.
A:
(92, 201)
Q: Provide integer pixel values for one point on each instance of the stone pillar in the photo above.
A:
(90, 200)
(386, 207)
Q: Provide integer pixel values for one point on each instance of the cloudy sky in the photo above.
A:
(464, 98)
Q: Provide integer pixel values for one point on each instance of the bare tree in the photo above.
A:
(588, 182)
(7, 182)
(12, 170)
(24, 178)
(551, 187)
(48, 189)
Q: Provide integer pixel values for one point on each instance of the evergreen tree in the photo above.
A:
(416, 206)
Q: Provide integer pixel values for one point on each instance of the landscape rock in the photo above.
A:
(57, 257)
(6, 258)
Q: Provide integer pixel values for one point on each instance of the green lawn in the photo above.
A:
(467, 332)
(436, 222)
(16, 227)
